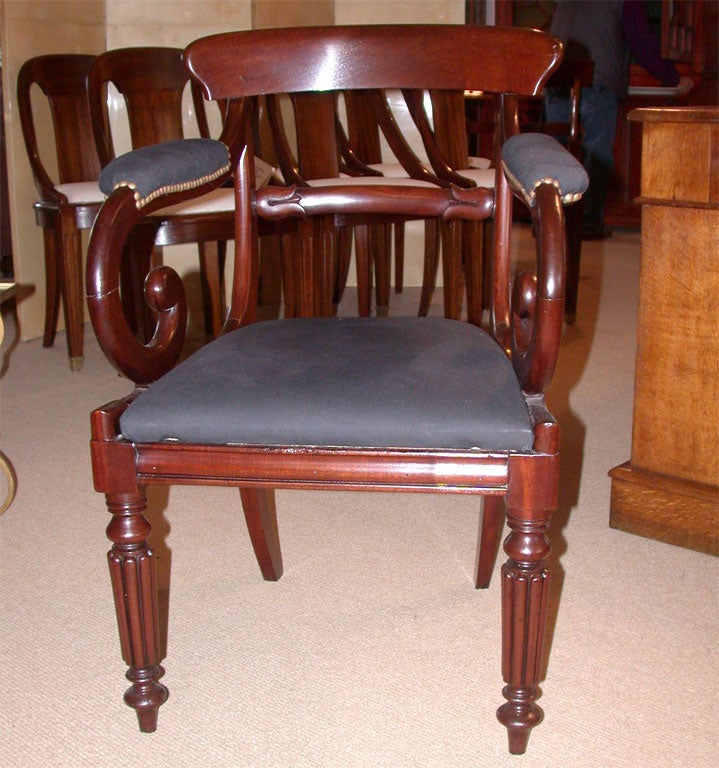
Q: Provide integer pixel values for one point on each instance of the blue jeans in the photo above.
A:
(598, 118)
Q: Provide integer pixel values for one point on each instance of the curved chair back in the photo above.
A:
(62, 78)
(152, 81)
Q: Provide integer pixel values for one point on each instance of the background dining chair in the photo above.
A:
(152, 82)
(406, 404)
(69, 198)
(313, 149)
(371, 119)
(444, 134)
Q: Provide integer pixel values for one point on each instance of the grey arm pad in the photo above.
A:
(161, 169)
(531, 159)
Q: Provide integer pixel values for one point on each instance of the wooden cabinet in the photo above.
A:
(669, 489)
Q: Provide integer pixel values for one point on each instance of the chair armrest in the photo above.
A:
(163, 169)
(540, 170)
(139, 183)
(531, 159)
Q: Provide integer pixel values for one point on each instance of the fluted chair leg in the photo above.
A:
(132, 570)
(525, 590)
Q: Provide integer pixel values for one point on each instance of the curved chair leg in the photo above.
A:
(525, 589)
(473, 259)
(452, 269)
(258, 504)
(344, 259)
(364, 270)
(52, 285)
(132, 570)
(73, 295)
(492, 518)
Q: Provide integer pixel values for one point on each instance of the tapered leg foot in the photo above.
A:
(146, 695)
(525, 591)
(132, 571)
(519, 715)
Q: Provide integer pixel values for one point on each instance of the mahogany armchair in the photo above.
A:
(407, 404)
(69, 202)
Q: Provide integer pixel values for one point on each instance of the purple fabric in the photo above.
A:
(644, 43)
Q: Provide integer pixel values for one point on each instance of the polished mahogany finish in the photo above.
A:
(152, 81)
(62, 78)
(526, 321)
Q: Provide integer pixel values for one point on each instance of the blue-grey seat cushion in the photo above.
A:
(372, 382)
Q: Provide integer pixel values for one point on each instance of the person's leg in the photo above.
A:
(556, 107)
(598, 113)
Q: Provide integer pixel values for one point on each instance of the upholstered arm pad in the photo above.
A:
(161, 169)
(531, 159)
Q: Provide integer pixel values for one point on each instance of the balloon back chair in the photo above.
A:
(69, 199)
(413, 404)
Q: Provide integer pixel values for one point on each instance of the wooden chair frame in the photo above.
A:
(152, 81)
(62, 79)
(526, 322)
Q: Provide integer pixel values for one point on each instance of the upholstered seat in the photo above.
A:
(414, 382)
(81, 192)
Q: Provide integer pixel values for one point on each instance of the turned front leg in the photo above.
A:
(132, 570)
(525, 588)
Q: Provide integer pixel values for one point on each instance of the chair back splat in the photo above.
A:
(414, 404)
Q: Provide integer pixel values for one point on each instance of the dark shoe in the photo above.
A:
(597, 234)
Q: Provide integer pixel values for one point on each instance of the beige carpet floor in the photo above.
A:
(373, 650)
